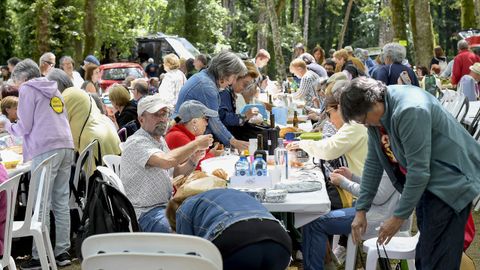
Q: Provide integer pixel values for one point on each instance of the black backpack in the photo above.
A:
(107, 210)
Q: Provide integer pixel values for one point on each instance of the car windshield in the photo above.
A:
(119, 74)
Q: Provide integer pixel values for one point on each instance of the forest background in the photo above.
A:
(108, 28)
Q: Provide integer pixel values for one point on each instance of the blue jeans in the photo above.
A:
(59, 196)
(155, 221)
(315, 235)
(442, 231)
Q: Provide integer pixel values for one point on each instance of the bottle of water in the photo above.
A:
(242, 167)
(281, 159)
(259, 166)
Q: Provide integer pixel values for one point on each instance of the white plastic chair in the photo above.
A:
(352, 247)
(152, 243)
(86, 159)
(112, 178)
(146, 262)
(400, 248)
(113, 162)
(35, 224)
(121, 146)
(8, 192)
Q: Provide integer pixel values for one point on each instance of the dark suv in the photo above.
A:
(158, 45)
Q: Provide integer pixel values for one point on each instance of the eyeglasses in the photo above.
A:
(49, 63)
(327, 112)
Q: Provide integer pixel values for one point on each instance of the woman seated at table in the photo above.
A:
(192, 121)
(350, 139)
(236, 123)
(125, 107)
(246, 234)
(86, 121)
(9, 108)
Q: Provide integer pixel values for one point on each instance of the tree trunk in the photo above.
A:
(262, 41)
(279, 61)
(279, 8)
(190, 21)
(398, 20)
(42, 28)
(468, 14)
(424, 33)
(296, 12)
(306, 13)
(230, 6)
(413, 26)
(89, 27)
(386, 30)
(345, 24)
(477, 12)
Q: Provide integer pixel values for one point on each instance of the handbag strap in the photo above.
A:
(86, 120)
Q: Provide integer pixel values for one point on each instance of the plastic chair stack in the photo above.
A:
(8, 192)
(36, 224)
(112, 178)
(149, 251)
(113, 162)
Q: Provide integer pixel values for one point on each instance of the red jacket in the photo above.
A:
(178, 136)
(462, 63)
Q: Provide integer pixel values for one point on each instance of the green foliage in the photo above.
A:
(6, 39)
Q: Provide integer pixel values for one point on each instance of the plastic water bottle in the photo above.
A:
(281, 159)
(242, 167)
(259, 166)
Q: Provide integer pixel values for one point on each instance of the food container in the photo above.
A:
(275, 196)
(257, 193)
(227, 163)
(10, 164)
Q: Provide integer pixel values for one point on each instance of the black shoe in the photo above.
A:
(63, 259)
(31, 264)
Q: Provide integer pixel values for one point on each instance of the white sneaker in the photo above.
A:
(340, 253)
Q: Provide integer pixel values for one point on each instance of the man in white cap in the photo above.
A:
(148, 166)
(468, 84)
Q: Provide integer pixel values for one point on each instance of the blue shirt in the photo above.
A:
(203, 87)
(389, 74)
(227, 108)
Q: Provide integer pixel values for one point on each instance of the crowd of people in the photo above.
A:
(402, 149)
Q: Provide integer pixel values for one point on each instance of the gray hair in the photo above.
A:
(66, 58)
(395, 52)
(46, 56)
(307, 58)
(226, 64)
(25, 70)
(62, 79)
(359, 96)
(462, 45)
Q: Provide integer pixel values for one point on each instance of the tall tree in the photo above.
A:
(424, 33)
(43, 16)
(296, 12)
(477, 12)
(345, 24)
(230, 6)
(279, 60)
(89, 27)
(306, 15)
(262, 41)
(386, 32)
(468, 14)
(6, 38)
(398, 20)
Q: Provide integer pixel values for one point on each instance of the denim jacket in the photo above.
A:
(202, 87)
(227, 113)
(209, 213)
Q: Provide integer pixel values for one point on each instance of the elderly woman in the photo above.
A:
(192, 121)
(9, 108)
(393, 56)
(92, 76)
(174, 79)
(205, 87)
(42, 121)
(309, 80)
(87, 123)
(125, 108)
(68, 65)
(238, 124)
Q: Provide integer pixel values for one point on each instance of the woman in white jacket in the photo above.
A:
(173, 80)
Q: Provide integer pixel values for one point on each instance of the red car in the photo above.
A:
(117, 72)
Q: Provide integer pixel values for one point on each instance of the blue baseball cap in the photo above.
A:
(92, 59)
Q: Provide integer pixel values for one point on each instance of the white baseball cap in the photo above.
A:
(151, 104)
